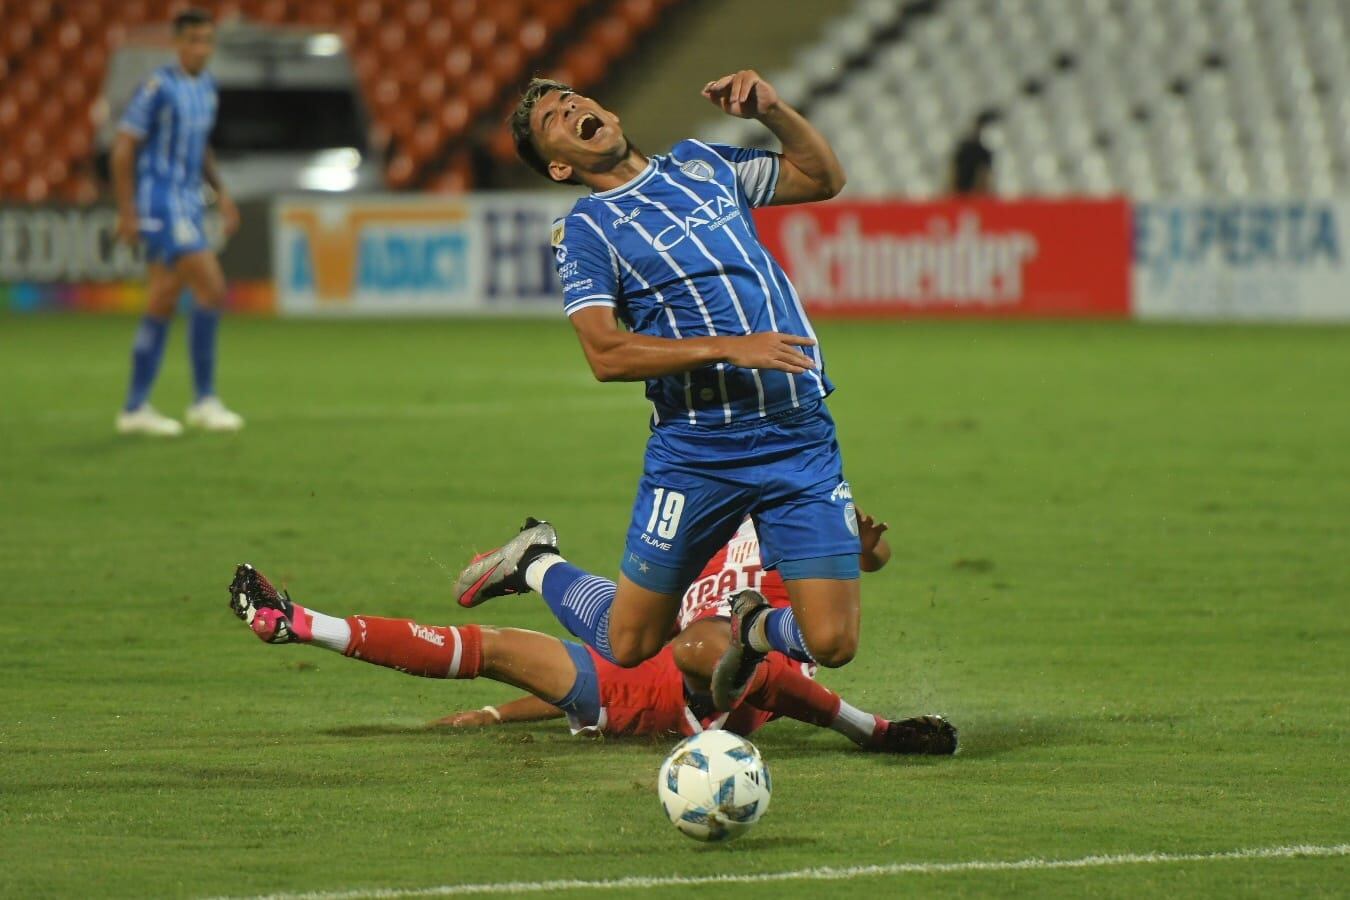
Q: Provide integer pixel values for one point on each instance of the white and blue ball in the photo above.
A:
(714, 786)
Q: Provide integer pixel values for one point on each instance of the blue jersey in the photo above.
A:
(172, 114)
(676, 254)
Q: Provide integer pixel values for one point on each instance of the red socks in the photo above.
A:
(780, 687)
(431, 651)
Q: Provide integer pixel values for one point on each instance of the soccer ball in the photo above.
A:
(714, 786)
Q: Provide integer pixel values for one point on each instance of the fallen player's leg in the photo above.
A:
(780, 687)
(559, 673)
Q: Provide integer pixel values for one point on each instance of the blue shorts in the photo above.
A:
(699, 483)
(168, 236)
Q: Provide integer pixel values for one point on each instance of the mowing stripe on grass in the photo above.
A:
(820, 874)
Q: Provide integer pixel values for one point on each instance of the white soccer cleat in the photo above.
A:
(499, 572)
(210, 414)
(145, 419)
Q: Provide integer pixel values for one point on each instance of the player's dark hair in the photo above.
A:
(521, 132)
(191, 18)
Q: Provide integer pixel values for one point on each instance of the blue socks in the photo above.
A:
(783, 635)
(146, 354)
(202, 342)
(581, 602)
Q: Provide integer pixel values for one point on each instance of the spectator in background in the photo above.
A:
(972, 169)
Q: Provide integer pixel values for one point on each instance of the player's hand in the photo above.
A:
(744, 94)
(128, 229)
(875, 552)
(469, 718)
(229, 214)
(869, 530)
(770, 350)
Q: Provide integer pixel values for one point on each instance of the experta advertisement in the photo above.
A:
(1281, 260)
(381, 256)
(1058, 258)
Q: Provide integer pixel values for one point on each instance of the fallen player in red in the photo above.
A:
(565, 678)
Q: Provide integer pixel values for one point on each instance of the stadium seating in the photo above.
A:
(1151, 98)
(437, 76)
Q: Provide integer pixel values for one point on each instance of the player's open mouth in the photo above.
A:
(587, 126)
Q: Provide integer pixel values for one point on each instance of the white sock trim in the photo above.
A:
(534, 574)
(854, 724)
(758, 635)
(335, 634)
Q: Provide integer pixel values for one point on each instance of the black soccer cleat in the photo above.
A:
(268, 612)
(737, 666)
(920, 736)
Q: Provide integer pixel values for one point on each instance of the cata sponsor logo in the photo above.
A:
(711, 214)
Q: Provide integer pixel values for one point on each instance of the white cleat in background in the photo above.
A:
(210, 414)
(145, 419)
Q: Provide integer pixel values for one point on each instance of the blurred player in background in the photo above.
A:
(665, 280)
(159, 159)
(565, 678)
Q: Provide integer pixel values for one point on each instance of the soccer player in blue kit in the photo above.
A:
(665, 280)
(159, 159)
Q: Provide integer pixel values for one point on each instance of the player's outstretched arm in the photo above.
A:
(616, 354)
(809, 170)
(523, 709)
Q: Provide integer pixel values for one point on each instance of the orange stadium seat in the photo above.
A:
(639, 14)
(455, 116)
(392, 37)
(611, 37)
(18, 36)
(431, 90)
(9, 113)
(417, 13)
(35, 188)
(426, 141)
(37, 12)
(435, 37)
(11, 176)
(368, 15)
(457, 63)
(401, 171)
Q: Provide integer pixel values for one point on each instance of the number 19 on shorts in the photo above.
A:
(667, 507)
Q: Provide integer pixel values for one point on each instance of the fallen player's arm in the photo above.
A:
(524, 709)
(616, 354)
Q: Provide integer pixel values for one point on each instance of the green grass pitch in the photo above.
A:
(1121, 568)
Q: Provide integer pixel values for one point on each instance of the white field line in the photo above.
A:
(819, 874)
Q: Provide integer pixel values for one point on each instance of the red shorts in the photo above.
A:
(646, 699)
(649, 699)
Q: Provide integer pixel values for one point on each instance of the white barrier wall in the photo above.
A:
(481, 253)
(1276, 260)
